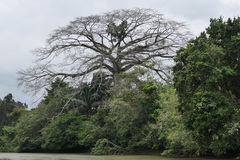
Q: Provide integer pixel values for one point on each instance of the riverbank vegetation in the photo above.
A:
(195, 114)
(134, 115)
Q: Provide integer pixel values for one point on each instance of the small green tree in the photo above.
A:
(57, 89)
(97, 127)
(7, 106)
(62, 134)
(28, 131)
(10, 112)
(176, 139)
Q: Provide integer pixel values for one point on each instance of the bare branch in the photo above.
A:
(113, 42)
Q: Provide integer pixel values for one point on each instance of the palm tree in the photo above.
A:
(92, 94)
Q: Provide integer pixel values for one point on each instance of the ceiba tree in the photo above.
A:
(111, 43)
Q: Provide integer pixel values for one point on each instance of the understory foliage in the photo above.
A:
(62, 133)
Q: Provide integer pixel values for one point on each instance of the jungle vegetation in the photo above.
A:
(193, 110)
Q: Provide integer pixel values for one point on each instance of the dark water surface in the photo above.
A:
(33, 156)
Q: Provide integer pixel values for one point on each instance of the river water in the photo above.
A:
(33, 156)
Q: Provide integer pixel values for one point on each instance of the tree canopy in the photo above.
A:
(113, 42)
(207, 79)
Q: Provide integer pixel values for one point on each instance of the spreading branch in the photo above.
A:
(114, 42)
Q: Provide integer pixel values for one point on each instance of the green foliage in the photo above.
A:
(28, 131)
(10, 113)
(15, 115)
(121, 121)
(179, 141)
(56, 87)
(171, 132)
(31, 124)
(127, 111)
(90, 134)
(56, 123)
(8, 136)
(206, 77)
(128, 121)
(209, 115)
(138, 115)
(199, 116)
(98, 127)
(62, 133)
(7, 106)
(3, 147)
(226, 35)
(151, 89)
(92, 94)
(104, 146)
(57, 97)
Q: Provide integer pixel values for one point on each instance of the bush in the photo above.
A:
(62, 134)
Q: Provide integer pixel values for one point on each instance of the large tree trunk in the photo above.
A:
(116, 78)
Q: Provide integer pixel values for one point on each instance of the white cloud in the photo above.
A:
(230, 2)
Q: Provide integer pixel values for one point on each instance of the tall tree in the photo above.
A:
(57, 89)
(7, 106)
(226, 34)
(207, 79)
(62, 134)
(113, 43)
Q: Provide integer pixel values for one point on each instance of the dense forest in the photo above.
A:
(194, 113)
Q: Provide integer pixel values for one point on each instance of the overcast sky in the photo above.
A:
(25, 25)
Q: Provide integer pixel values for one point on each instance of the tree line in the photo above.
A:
(132, 101)
(134, 115)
